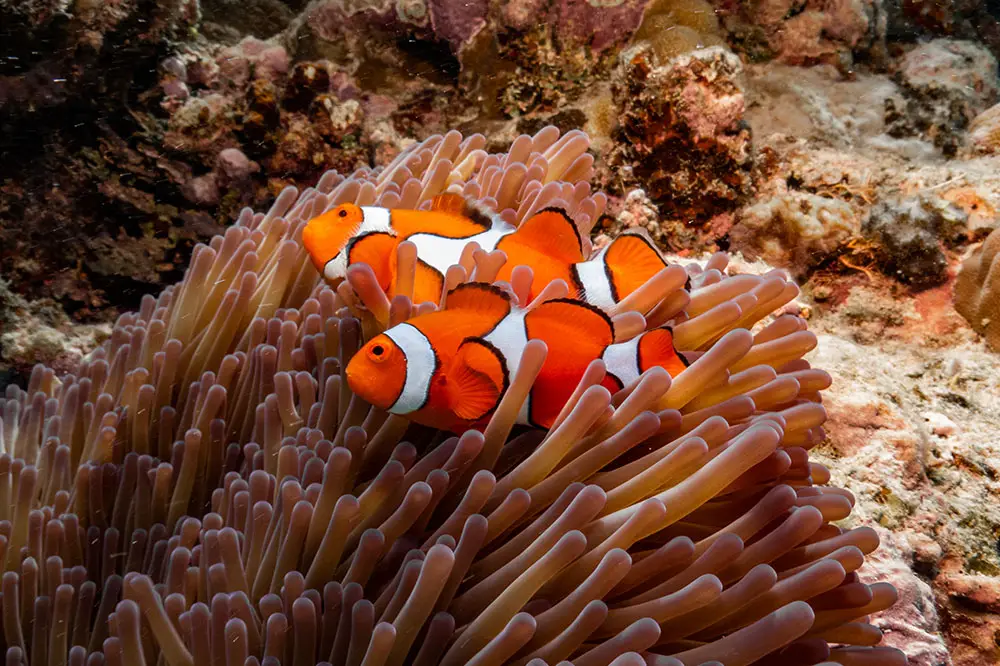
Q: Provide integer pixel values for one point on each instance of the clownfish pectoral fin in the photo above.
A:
(476, 379)
(481, 297)
(449, 203)
(378, 250)
(656, 348)
(571, 326)
(631, 260)
(550, 232)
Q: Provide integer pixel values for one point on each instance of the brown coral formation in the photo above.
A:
(946, 83)
(205, 489)
(977, 290)
(682, 131)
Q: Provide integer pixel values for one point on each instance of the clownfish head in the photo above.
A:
(327, 235)
(378, 372)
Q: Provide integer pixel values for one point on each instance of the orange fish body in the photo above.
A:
(448, 369)
(549, 242)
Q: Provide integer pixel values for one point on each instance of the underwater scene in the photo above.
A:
(499, 332)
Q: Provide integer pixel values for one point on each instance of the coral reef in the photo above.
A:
(59, 51)
(266, 515)
(683, 134)
(804, 33)
(672, 27)
(794, 230)
(977, 290)
(984, 131)
(946, 83)
(912, 233)
(132, 132)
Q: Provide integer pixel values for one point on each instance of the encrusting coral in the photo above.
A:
(205, 488)
(977, 290)
(673, 27)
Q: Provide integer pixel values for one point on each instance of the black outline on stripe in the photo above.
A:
(433, 235)
(611, 282)
(406, 368)
(574, 275)
(615, 379)
(677, 352)
(354, 240)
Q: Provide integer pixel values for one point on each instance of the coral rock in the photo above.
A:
(808, 33)
(977, 290)
(984, 132)
(234, 166)
(673, 27)
(912, 624)
(261, 18)
(946, 83)
(62, 51)
(910, 232)
(683, 131)
(795, 230)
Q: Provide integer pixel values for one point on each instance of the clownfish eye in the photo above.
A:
(378, 353)
(343, 212)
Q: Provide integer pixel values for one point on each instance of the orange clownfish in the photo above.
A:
(448, 369)
(549, 242)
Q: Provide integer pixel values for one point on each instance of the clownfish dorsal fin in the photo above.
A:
(476, 379)
(631, 261)
(551, 232)
(427, 283)
(656, 348)
(456, 204)
(568, 324)
(450, 202)
(481, 297)
(378, 250)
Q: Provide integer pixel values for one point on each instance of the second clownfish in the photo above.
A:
(549, 242)
(448, 369)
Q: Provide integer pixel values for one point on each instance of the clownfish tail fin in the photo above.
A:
(656, 348)
(626, 264)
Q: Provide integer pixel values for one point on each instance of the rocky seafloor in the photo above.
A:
(854, 143)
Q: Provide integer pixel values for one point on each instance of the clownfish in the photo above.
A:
(549, 242)
(448, 369)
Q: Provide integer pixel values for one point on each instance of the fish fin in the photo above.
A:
(576, 333)
(630, 261)
(476, 379)
(552, 233)
(480, 296)
(449, 203)
(427, 284)
(656, 348)
(378, 250)
(587, 329)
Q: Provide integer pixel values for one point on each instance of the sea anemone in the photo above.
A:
(206, 489)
